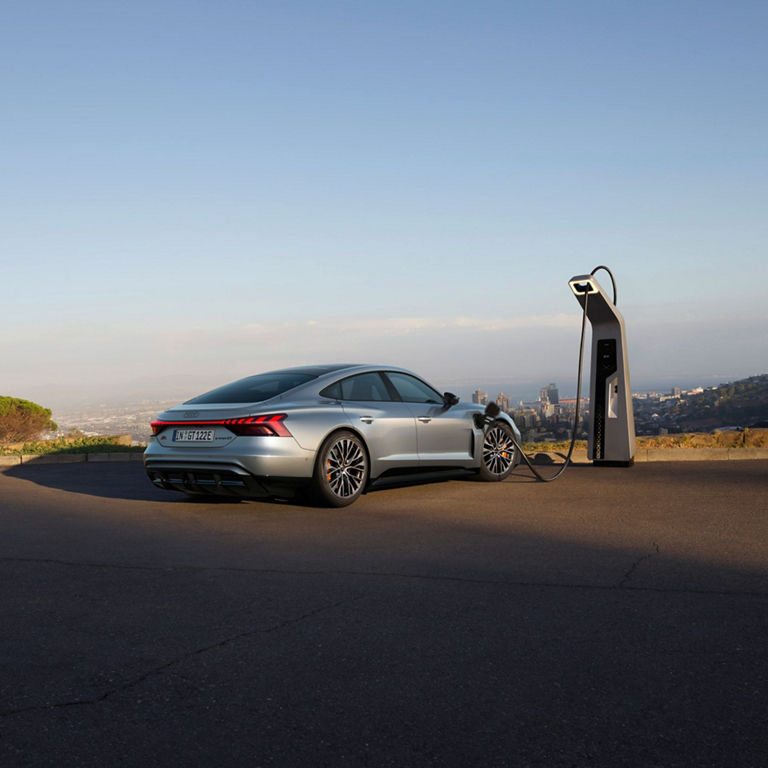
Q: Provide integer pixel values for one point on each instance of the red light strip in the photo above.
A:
(274, 421)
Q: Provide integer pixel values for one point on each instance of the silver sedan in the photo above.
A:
(328, 431)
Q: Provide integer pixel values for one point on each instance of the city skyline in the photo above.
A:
(527, 392)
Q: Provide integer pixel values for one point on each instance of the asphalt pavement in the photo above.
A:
(616, 617)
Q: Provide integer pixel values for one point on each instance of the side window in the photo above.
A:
(333, 392)
(413, 390)
(364, 386)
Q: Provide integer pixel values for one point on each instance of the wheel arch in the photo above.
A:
(507, 419)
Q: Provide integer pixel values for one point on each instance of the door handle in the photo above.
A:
(367, 419)
(425, 419)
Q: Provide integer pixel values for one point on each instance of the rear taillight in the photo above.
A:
(266, 426)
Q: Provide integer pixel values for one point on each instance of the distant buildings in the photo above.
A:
(526, 418)
(548, 418)
(550, 394)
(481, 398)
(549, 399)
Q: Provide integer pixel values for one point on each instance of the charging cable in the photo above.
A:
(613, 280)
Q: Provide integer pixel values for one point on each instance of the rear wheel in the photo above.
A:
(341, 471)
(500, 456)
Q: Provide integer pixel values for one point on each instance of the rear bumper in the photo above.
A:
(246, 468)
(220, 480)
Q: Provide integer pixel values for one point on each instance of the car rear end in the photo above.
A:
(220, 451)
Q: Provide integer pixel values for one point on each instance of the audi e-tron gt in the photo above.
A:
(327, 431)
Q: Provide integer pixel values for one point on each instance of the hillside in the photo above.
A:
(741, 403)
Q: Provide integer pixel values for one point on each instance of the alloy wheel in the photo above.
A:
(345, 468)
(498, 450)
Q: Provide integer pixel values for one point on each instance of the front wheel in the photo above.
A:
(500, 456)
(341, 471)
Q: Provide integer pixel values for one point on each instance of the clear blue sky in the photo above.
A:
(194, 191)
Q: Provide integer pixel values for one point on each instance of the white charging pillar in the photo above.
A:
(612, 428)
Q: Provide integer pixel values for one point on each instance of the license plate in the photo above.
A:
(193, 436)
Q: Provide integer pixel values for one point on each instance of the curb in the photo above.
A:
(69, 458)
(117, 456)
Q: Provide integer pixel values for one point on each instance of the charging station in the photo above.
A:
(612, 428)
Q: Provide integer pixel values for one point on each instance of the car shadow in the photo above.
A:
(118, 480)
(127, 480)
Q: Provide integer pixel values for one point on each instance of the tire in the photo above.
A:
(341, 471)
(500, 455)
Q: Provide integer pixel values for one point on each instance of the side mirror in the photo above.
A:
(492, 410)
(449, 399)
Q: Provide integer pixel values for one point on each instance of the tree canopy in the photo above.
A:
(23, 420)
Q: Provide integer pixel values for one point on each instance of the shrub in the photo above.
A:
(22, 420)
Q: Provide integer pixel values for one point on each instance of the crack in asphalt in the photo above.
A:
(162, 668)
(636, 565)
(621, 585)
(76, 563)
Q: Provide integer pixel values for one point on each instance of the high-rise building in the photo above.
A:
(554, 395)
(549, 395)
(479, 397)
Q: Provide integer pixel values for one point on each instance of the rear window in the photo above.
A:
(253, 389)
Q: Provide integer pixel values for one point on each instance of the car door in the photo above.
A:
(445, 436)
(388, 426)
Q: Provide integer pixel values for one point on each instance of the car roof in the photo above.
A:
(314, 370)
(324, 370)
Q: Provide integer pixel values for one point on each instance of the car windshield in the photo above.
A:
(254, 389)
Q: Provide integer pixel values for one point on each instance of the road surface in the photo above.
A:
(616, 617)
